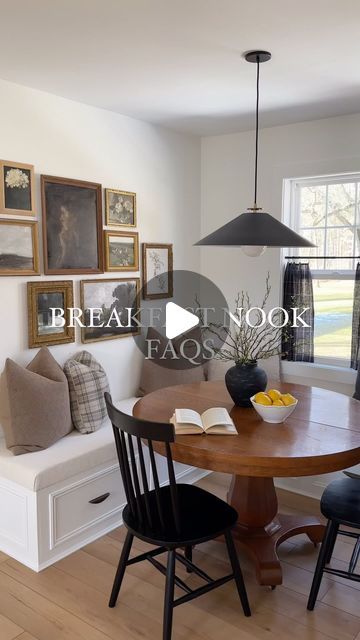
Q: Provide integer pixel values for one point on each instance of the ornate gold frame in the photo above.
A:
(98, 280)
(124, 234)
(17, 212)
(33, 290)
(34, 237)
(107, 206)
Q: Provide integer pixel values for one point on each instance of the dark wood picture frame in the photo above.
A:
(12, 270)
(22, 167)
(94, 186)
(99, 281)
(157, 296)
(34, 289)
(121, 234)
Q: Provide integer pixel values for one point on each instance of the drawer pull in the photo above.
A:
(99, 498)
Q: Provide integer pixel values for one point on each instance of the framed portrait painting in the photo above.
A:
(115, 304)
(19, 255)
(120, 208)
(157, 262)
(121, 250)
(17, 196)
(72, 226)
(42, 297)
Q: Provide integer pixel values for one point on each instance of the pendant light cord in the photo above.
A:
(257, 128)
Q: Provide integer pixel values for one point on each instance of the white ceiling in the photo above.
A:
(179, 62)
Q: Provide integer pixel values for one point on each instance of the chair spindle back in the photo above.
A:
(136, 478)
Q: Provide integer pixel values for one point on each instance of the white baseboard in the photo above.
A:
(312, 487)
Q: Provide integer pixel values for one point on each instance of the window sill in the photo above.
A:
(322, 373)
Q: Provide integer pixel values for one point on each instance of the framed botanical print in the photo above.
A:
(121, 251)
(120, 208)
(115, 307)
(157, 260)
(72, 226)
(19, 254)
(42, 297)
(17, 195)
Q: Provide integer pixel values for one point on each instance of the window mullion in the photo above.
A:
(326, 223)
(356, 221)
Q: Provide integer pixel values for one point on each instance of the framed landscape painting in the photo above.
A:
(19, 255)
(72, 226)
(157, 262)
(42, 297)
(17, 195)
(120, 208)
(121, 251)
(115, 301)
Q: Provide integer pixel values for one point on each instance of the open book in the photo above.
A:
(212, 421)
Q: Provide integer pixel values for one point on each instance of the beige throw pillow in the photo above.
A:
(35, 404)
(87, 385)
(156, 376)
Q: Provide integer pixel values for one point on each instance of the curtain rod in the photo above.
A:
(321, 257)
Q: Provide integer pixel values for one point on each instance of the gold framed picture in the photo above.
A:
(121, 251)
(19, 253)
(42, 297)
(17, 192)
(157, 263)
(115, 304)
(120, 208)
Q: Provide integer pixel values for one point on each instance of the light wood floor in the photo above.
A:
(68, 601)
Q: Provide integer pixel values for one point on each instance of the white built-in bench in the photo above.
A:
(45, 508)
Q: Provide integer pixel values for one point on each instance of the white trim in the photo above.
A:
(329, 179)
(291, 217)
(321, 372)
(54, 496)
(22, 541)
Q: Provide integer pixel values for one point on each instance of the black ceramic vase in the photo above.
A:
(243, 381)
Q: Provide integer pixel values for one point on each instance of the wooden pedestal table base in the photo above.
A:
(261, 528)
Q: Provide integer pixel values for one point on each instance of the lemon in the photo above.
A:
(274, 394)
(278, 402)
(288, 399)
(262, 398)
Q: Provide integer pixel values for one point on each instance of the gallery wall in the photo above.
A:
(68, 139)
(306, 149)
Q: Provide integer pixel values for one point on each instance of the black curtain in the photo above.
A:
(298, 342)
(355, 336)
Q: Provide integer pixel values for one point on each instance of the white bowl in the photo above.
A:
(271, 413)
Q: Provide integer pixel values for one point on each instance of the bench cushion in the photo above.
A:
(69, 456)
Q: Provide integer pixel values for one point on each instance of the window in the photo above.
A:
(327, 212)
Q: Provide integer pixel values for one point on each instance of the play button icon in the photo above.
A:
(178, 320)
(174, 320)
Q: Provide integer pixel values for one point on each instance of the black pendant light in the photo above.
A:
(255, 230)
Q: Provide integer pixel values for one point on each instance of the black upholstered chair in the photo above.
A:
(172, 517)
(340, 504)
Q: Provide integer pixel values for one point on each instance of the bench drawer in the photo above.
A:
(83, 504)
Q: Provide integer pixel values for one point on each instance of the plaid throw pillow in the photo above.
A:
(87, 385)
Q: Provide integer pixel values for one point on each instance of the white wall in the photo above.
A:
(305, 149)
(64, 138)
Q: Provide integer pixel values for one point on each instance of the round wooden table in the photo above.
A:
(322, 435)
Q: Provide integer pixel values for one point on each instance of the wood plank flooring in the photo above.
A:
(68, 601)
